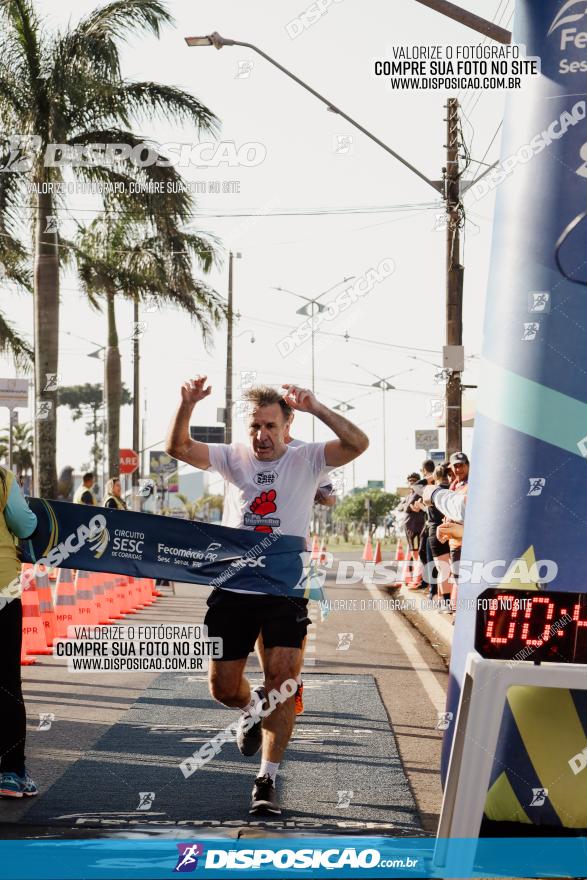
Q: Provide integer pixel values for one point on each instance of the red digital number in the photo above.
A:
(498, 609)
(576, 613)
(546, 632)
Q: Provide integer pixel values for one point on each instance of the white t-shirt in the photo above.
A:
(232, 501)
(268, 495)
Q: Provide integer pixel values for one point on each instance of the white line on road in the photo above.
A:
(407, 643)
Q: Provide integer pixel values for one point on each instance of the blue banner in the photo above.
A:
(144, 545)
(273, 858)
(527, 503)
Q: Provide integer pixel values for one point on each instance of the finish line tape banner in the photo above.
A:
(527, 498)
(145, 545)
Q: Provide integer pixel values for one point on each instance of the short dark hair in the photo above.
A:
(428, 466)
(89, 475)
(413, 476)
(265, 395)
(441, 472)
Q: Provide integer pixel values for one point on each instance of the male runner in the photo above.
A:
(277, 485)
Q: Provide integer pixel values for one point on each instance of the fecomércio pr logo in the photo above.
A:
(187, 859)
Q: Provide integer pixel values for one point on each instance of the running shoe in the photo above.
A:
(300, 699)
(264, 798)
(248, 736)
(13, 785)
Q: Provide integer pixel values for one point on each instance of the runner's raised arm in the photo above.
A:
(351, 441)
(179, 444)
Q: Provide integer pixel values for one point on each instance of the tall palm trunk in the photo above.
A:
(112, 389)
(46, 294)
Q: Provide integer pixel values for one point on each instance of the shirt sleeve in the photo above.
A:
(220, 458)
(314, 455)
(20, 519)
(451, 504)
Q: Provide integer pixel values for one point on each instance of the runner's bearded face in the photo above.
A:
(267, 432)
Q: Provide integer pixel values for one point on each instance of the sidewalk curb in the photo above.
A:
(435, 627)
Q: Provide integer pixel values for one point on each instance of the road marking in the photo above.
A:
(407, 643)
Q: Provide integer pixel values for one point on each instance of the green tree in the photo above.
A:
(353, 508)
(22, 447)
(66, 87)
(129, 255)
(87, 401)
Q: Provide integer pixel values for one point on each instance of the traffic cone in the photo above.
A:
(315, 548)
(154, 591)
(84, 595)
(65, 603)
(400, 559)
(33, 628)
(45, 596)
(368, 550)
(378, 556)
(323, 552)
(408, 566)
(417, 571)
(99, 589)
(146, 596)
(112, 601)
(124, 597)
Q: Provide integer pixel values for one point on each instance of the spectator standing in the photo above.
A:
(83, 494)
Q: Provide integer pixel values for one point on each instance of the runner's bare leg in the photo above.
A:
(281, 664)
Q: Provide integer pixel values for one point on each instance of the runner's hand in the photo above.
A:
(195, 390)
(301, 399)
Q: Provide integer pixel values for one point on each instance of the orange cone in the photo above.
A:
(315, 548)
(112, 601)
(99, 590)
(124, 598)
(65, 603)
(45, 596)
(378, 556)
(400, 559)
(33, 628)
(323, 552)
(87, 611)
(368, 550)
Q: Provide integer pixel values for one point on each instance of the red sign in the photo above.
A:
(129, 461)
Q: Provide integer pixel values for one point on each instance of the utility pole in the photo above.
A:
(454, 275)
(229, 323)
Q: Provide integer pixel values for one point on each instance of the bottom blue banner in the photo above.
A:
(308, 857)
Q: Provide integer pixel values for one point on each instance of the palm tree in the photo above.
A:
(86, 401)
(66, 88)
(126, 255)
(15, 268)
(22, 447)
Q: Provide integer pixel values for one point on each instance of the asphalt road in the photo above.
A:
(374, 688)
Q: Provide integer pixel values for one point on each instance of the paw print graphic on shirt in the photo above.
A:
(262, 505)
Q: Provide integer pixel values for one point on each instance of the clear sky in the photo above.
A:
(310, 171)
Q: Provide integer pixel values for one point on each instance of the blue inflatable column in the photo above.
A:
(528, 491)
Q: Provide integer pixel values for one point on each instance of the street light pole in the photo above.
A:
(229, 343)
(315, 308)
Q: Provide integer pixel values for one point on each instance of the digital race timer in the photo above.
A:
(536, 626)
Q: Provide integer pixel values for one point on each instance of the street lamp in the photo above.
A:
(229, 339)
(453, 393)
(384, 386)
(313, 307)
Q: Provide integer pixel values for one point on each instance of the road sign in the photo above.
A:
(438, 456)
(374, 484)
(14, 392)
(207, 433)
(129, 461)
(427, 439)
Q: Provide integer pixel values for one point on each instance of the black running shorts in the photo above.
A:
(238, 618)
